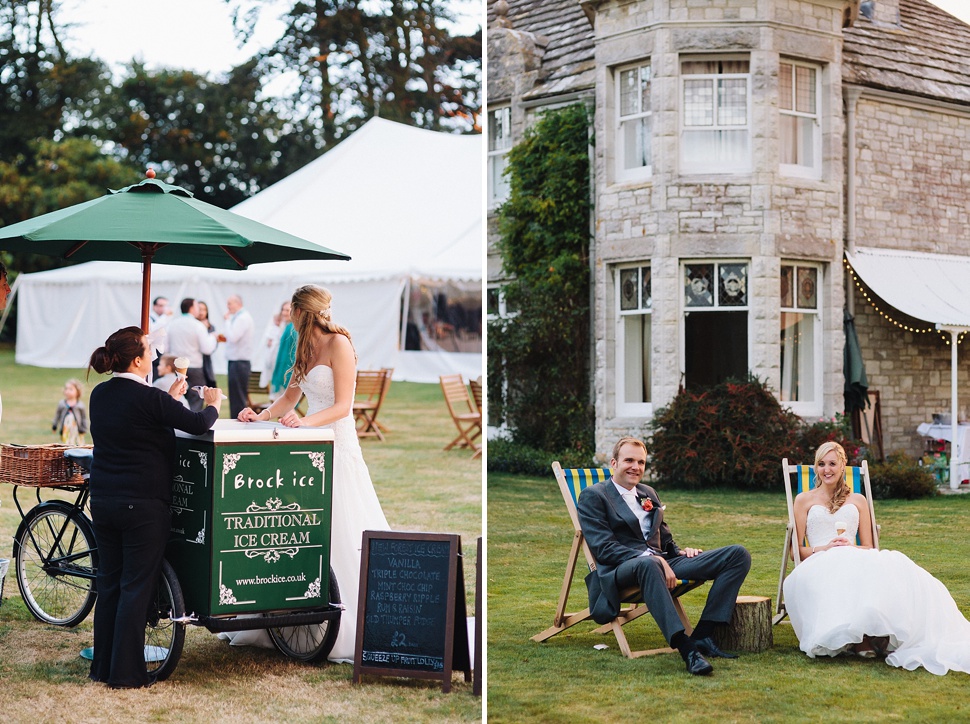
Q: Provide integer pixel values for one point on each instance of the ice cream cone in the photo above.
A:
(181, 365)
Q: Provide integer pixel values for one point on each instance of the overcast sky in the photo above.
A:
(192, 34)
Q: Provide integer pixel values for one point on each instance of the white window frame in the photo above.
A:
(708, 164)
(814, 407)
(812, 169)
(497, 161)
(624, 408)
(715, 306)
(639, 117)
(494, 431)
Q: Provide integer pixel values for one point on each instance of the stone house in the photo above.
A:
(746, 152)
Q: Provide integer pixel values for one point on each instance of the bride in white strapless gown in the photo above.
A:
(325, 371)
(841, 593)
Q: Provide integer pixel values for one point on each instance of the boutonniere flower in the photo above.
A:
(645, 503)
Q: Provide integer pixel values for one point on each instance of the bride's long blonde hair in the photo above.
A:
(843, 490)
(314, 305)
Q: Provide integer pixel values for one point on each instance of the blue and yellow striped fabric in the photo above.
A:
(805, 477)
(578, 479)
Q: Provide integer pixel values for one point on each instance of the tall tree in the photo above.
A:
(39, 85)
(359, 58)
(219, 139)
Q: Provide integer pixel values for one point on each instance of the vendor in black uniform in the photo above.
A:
(133, 430)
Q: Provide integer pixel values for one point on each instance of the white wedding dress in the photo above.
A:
(836, 596)
(355, 509)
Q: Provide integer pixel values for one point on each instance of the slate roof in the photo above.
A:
(568, 63)
(927, 55)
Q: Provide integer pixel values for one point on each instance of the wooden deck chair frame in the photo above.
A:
(798, 479)
(253, 388)
(572, 482)
(464, 413)
(369, 394)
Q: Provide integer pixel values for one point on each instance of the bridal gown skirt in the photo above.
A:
(837, 596)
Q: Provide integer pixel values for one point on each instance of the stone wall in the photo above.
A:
(913, 171)
(760, 216)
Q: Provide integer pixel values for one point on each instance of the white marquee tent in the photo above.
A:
(404, 203)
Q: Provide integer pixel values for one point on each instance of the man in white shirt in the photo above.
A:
(239, 352)
(189, 338)
(158, 318)
(623, 522)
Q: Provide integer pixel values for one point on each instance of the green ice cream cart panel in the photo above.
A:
(251, 507)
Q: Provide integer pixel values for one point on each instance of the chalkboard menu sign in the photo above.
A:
(411, 607)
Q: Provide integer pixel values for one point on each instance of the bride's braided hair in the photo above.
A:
(843, 490)
(314, 304)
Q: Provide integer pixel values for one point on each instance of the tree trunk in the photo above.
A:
(750, 626)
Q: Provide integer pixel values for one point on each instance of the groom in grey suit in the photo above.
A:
(623, 523)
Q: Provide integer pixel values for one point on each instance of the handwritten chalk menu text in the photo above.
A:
(411, 617)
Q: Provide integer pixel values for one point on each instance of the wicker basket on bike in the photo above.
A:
(39, 466)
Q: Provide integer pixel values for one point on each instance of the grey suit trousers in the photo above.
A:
(726, 567)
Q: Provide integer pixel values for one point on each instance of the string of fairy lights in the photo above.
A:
(889, 318)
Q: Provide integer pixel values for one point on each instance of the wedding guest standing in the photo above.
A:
(271, 343)
(159, 316)
(239, 352)
(202, 314)
(133, 428)
(190, 338)
(4, 295)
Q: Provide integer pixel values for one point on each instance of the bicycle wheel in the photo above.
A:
(56, 563)
(312, 642)
(164, 637)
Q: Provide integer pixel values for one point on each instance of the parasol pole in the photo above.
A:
(147, 252)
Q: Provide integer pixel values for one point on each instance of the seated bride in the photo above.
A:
(846, 597)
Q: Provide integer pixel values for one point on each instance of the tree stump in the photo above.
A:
(750, 626)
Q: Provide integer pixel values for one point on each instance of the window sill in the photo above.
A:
(623, 184)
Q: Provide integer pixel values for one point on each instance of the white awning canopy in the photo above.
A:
(930, 287)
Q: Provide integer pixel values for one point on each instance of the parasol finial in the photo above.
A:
(150, 173)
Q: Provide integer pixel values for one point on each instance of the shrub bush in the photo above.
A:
(730, 435)
(539, 358)
(839, 429)
(506, 456)
(901, 476)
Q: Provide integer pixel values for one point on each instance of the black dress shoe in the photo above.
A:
(697, 664)
(709, 648)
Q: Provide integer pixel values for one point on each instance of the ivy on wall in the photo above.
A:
(538, 358)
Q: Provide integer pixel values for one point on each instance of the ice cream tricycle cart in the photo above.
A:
(249, 545)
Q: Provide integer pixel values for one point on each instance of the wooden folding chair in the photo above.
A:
(476, 388)
(465, 414)
(372, 387)
(254, 393)
(572, 482)
(798, 479)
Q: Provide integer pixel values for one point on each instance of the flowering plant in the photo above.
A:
(645, 502)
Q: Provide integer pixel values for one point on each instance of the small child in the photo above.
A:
(71, 417)
(166, 375)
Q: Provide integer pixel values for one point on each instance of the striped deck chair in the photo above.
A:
(798, 479)
(572, 482)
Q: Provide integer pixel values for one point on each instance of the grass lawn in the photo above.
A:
(566, 680)
(421, 488)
